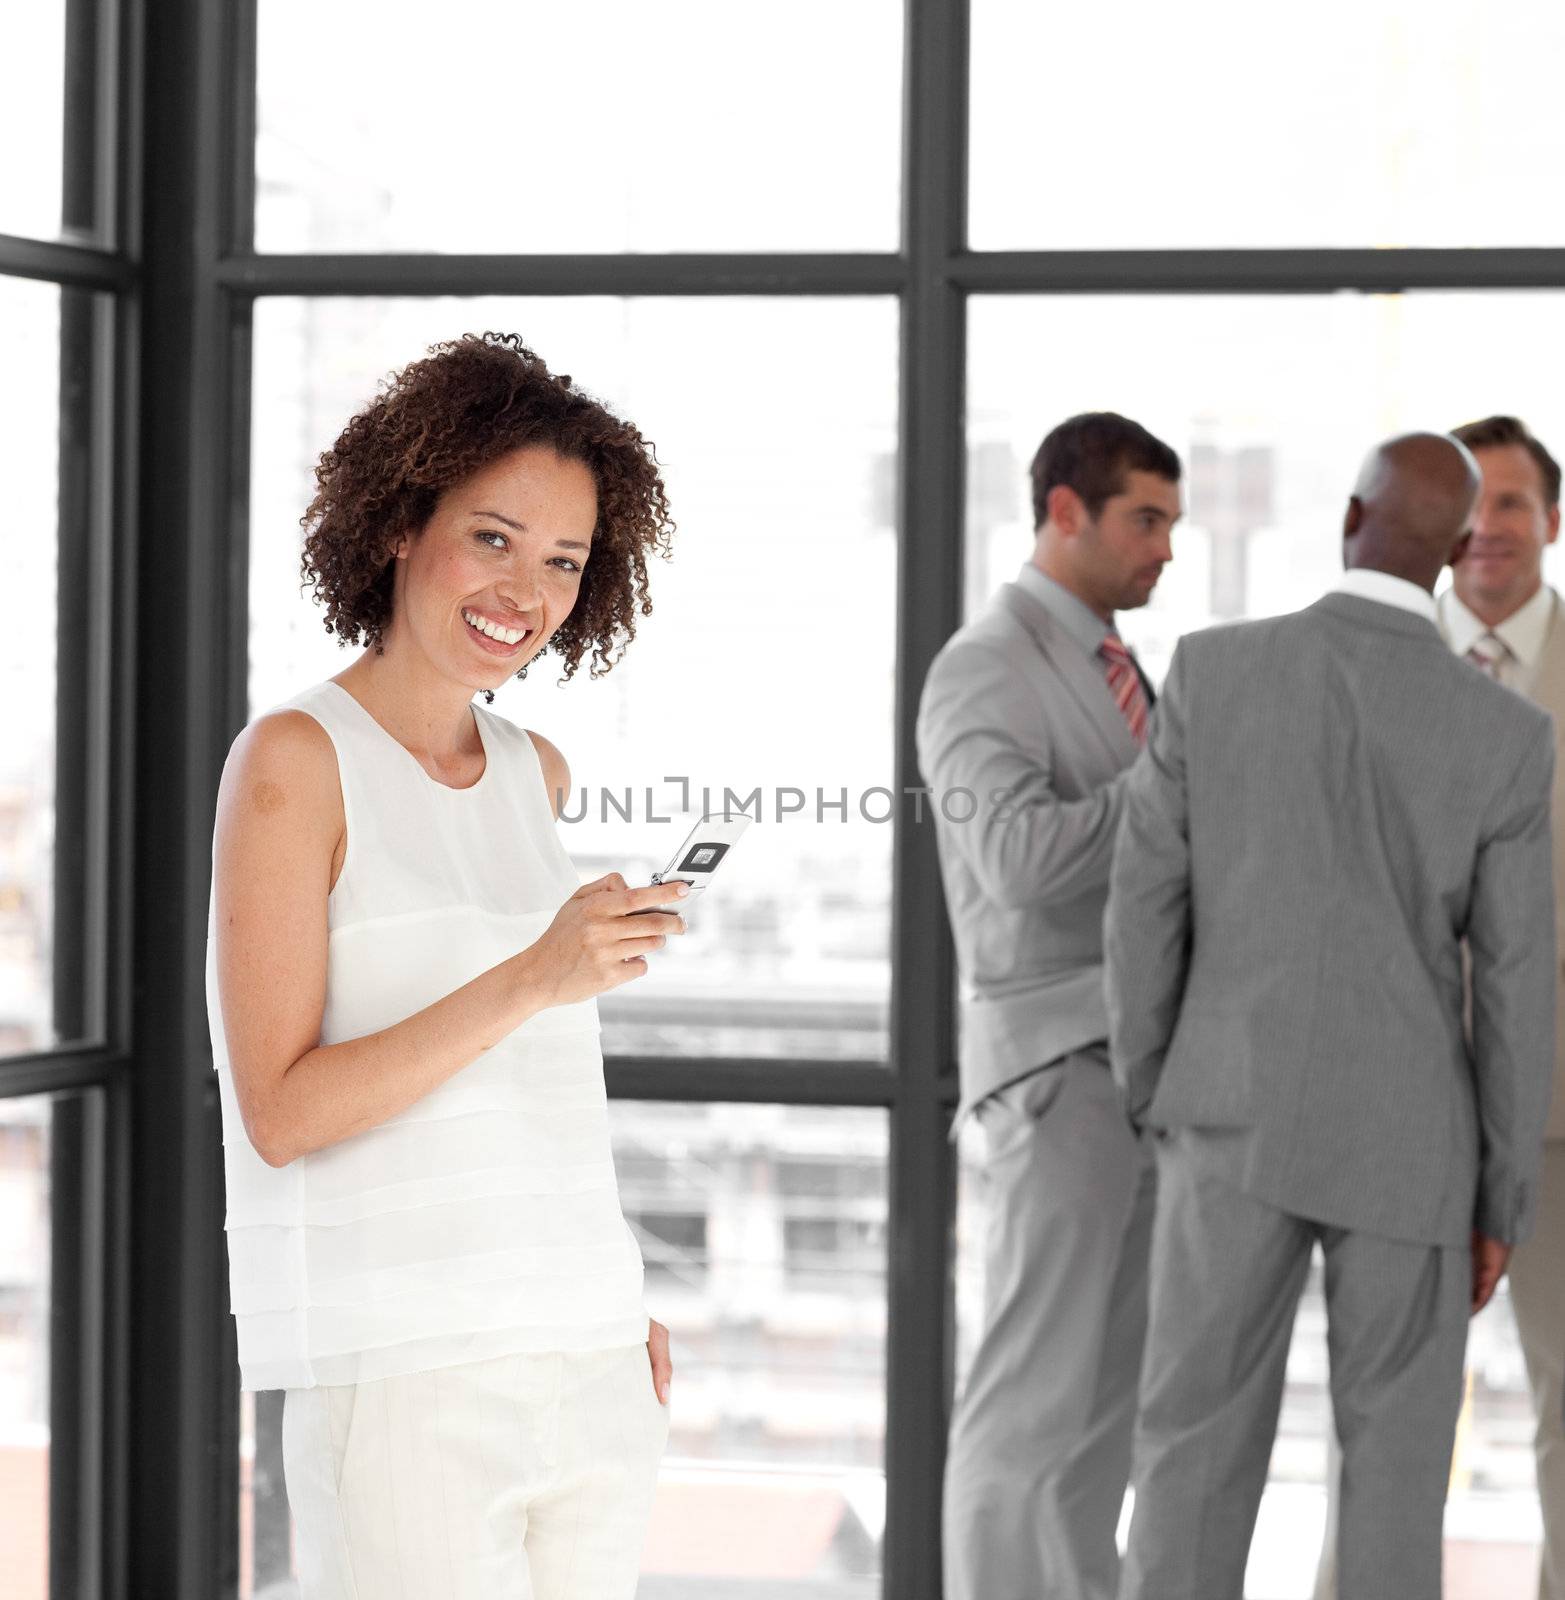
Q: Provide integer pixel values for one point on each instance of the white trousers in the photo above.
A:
(521, 1478)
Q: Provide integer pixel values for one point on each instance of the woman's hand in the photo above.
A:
(597, 940)
(662, 1366)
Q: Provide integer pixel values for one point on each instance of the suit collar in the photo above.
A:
(1072, 613)
(1377, 614)
(1369, 583)
(1080, 673)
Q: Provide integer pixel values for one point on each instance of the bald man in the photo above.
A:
(1329, 804)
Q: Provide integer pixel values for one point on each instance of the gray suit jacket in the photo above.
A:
(1015, 714)
(1329, 803)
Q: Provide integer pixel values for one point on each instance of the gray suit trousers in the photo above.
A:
(1227, 1272)
(1538, 1302)
(1039, 1457)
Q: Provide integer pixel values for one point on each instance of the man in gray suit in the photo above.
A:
(1036, 710)
(1330, 803)
(1500, 615)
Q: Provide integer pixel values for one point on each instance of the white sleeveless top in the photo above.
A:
(484, 1219)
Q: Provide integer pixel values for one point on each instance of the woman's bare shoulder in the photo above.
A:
(556, 774)
(284, 760)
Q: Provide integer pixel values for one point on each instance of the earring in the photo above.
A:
(489, 696)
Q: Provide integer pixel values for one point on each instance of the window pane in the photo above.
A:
(1271, 403)
(781, 591)
(1226, 123)
(32, 117)
(486, 126)
(266, 1567)
(30, 334)
(25, 1255)
(764, 1233)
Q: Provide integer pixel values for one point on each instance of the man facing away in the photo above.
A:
(1330, 804)
(1036, 710)
(1501, 616)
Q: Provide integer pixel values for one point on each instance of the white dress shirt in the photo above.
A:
(1522, 634)
(1369, 584)
(1078, 619)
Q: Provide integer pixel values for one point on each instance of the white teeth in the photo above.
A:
(503, 635)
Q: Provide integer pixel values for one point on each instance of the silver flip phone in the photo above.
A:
(702, 853)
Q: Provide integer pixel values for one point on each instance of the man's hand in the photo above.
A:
(1135, 1117)
(1489, 1259)
(657, 1353)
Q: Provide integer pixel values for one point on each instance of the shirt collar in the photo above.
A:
(1522, 633)
(1078, 619)
(1389, 590)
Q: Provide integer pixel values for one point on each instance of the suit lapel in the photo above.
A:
(1086, 685)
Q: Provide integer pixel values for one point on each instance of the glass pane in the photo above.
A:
(30, 332)
(780, 593)
(486, 126)
(25, 1259)
(1225, 123)
(32, 117)
(266, 1567)
(764, 1233)
(1271, 404)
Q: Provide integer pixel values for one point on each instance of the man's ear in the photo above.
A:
(1353, 520)
(1065, 509)
(1459, 549)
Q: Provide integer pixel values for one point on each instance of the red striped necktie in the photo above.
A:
(1125, 685)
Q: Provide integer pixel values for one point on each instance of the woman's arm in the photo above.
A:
(279, 821)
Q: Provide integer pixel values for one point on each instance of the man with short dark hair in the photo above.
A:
(1036, 710)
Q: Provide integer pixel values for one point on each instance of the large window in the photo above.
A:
(619, 126)
(1225, 124)
(770, 1270)
(60, 1061)
(845, 264)
(780, 589)
(32, 43)
(30, 418)
(846, 449)
(1271, 402)
(25, 1255)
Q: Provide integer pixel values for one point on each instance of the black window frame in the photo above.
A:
(144, 1456)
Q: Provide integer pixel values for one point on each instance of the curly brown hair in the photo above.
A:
(431, 426)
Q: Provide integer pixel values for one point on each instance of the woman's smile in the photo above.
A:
(505, 645)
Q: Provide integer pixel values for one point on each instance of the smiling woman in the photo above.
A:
(445, 427)
(402, 979)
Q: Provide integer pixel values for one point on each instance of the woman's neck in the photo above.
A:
(428, 714)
